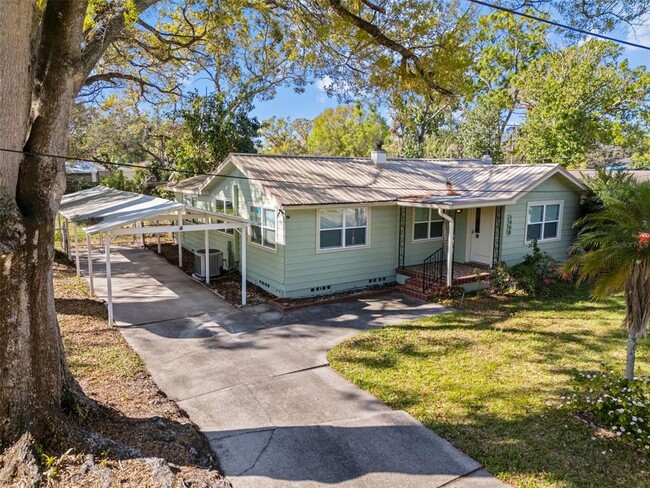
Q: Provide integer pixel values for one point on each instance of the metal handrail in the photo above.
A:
(432, 269)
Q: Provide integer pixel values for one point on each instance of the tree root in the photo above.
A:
(19, 464)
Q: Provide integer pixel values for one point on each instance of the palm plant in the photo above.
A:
(613, 250)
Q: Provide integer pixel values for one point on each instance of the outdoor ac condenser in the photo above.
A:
(216, 262)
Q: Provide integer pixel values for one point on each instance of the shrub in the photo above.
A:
(501, 280)
(614, 403)
(537, 271)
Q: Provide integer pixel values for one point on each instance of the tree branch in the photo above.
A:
(383, 40)
(99, 42)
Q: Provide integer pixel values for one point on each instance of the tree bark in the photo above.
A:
(637, 310)
(33, 371)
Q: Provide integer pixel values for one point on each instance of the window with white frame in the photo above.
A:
(427, 224)
(263, 224)
(340, 228)
(543, 221)
(225, 206)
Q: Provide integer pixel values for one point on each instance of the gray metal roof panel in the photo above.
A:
(100, 209)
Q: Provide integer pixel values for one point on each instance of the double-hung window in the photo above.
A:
(543, 221)
(340, 228)
(225, 206)
(262, 226)
(427, 224)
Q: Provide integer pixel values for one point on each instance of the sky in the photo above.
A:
(314, 100)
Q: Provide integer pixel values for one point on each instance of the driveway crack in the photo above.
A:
(318, 366)
(268, 443)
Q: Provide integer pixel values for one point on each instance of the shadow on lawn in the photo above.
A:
(550, 447)
(88, 307)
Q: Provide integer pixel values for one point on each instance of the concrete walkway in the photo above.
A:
(257, 383)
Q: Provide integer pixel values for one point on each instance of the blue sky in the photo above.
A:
(314, 100)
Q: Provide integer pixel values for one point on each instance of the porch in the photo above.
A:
(442, 247)
(417, 276)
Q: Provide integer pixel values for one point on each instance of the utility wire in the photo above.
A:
(263, 180)
(558, 24)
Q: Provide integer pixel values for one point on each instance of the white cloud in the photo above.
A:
(639, 34)
(324, 83)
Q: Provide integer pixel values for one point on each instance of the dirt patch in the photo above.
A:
(132, 410)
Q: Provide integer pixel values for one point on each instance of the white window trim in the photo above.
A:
(224, 199)
(273, 249)
(428, 239)
(559, 221)
(343, 248)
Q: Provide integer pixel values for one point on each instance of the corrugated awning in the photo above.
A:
(101, 209)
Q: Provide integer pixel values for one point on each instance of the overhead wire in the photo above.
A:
(558, 24)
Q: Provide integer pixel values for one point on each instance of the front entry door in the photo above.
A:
(481, 235)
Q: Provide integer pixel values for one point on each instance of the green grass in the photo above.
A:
(488, 378)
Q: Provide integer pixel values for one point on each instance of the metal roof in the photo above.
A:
(640, 175)
(100, 209)
(188, 185)
(322, 180)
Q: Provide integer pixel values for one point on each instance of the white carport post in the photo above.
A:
(179, 239)
(207, 257)
(450, 246)
(89, 250)
(109, 284)
(158, 238)
(243, 265)
(76, 248)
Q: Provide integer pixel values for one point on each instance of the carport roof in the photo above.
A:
(101, 209)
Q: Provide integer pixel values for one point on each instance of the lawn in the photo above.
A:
(489, 376)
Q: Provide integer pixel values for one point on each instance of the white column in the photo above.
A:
(207, 257)
(450, 246)
(89, 250)
(76, 248)
(243, 265)
(109, 281)
(179, 239)
(158, 238)
(144, 242)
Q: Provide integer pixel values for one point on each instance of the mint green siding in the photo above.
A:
(513, 245)
(310, 271)
(265, 267)
(298, 268)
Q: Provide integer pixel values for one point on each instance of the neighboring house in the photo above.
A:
(327, 224)
(640, 175)
(83, 174)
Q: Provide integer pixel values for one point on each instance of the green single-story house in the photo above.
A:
(321, 225)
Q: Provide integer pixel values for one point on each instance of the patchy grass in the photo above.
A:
(489, 377)
(133, 411)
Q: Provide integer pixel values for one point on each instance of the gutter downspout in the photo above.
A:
(450, 246)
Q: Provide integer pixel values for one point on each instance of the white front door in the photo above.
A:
(480, 235)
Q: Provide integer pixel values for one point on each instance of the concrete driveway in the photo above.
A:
(257, 383)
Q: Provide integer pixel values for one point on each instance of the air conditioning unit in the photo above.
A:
(216, 262)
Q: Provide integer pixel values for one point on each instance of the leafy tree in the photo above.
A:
(347, 130)
(285, 136)
(577, 99)
(212, 131)
(613, 250)
(504, 46)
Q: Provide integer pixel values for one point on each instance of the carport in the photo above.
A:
(107, 212)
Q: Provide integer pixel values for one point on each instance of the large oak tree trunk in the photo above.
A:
(40, 51)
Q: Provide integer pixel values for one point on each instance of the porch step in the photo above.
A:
(416, 294)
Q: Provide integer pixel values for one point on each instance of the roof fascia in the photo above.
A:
(557, 169)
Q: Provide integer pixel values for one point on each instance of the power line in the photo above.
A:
(558, 24)
(263, 180)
